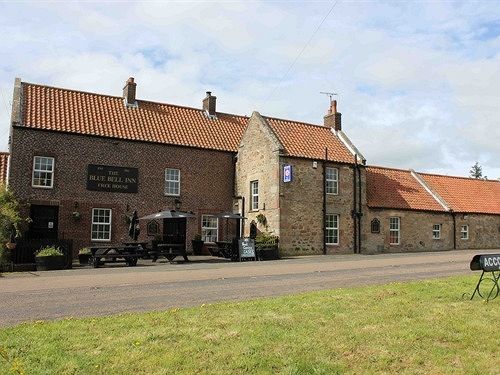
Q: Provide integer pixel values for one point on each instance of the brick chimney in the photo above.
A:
(129, 92)
(333, 119)
(209, 103)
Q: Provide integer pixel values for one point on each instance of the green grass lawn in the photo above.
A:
(419, 327)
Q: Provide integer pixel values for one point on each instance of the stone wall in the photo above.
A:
(258, 159)
(416, 231)
(206, 180)
(484, 231)
(301, 202)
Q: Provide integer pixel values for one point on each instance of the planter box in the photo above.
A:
(197, 247)
(57, 262)
(83, 259)
(268, 253)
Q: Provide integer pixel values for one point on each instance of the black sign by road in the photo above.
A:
(247, 248)
(112, 179)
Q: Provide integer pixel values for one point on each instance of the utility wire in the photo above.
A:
(301, 52)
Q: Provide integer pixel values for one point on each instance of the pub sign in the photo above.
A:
(287, 173)
(112, 179)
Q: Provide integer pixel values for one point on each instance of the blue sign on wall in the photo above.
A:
(287, 173)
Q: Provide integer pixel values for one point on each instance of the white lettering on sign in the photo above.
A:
(50, 225)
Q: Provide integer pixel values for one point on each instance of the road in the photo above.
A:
(117, 289)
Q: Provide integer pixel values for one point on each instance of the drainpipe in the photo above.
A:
(360, 212)
(324, 201)
(355, 206)
(454, 230)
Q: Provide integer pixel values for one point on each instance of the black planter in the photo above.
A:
(84, 259)
(197, 247)
(268, 253)
(56, 262)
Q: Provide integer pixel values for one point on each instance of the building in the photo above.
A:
(84, 162)
(4, 166)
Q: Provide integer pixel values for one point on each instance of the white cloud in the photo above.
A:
(417, 82)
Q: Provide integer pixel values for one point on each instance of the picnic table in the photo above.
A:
(224, 249)
(169, 250)
(119, 253)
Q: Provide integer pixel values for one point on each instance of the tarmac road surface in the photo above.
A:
(150, 286)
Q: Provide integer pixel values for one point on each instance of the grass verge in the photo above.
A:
(418, 327)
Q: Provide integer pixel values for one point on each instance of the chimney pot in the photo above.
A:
(209, 104)
(129, 92)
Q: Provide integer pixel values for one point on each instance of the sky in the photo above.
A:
(417, 83)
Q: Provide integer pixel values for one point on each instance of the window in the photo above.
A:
(172, 181)
(394, 230)
(101, 224)
(375, 226)
(332, 229)
(254, 195)
(43, 172)
(436, 231)
(209, 228)
(464, 232)
(332, 181)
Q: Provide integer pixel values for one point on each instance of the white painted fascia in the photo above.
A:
(350, 146)
(427, 188)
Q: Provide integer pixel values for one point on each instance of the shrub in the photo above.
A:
(49, 251)
(10, 219)
(266, 240)
(197, 237)
(84, 251)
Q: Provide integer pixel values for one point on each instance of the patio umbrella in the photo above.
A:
(172, 214)
(227, 216)
(134, 230)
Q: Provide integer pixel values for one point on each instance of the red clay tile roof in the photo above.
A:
(86, 113)
(101, 115)
(398, 189)
(4, 157)
(309, 141)
(467, 195)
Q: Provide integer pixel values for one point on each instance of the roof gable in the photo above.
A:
(310, 141)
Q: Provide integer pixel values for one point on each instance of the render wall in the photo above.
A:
(258, 159)
(301, 202)
(206, 180)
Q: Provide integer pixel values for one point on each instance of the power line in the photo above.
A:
(301, 51)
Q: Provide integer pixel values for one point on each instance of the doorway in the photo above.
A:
(45, 221)
(174, 231)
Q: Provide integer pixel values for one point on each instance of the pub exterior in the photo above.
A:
(84, 162)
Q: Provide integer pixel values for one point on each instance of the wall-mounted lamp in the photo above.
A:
(177, 204)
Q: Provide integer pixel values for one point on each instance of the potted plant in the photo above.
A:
(10, 219)
(197, 243)
(50, 258)
(84, 256)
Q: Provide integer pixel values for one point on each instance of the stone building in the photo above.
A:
(84, 162)
(4, 163)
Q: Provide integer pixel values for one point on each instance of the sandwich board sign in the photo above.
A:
(246, 247)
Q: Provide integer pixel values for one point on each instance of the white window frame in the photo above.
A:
(334, 229)
(101, 223)
(464, 229)
(436, 231)
(395, 227)
(51, 172)
(254, 197)
(206, 228)
(177, 181)
(332, 181)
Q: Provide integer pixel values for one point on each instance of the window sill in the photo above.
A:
(332, 244)
(42, 187)
(172, 195)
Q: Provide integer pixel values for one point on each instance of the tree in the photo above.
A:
(476, 171)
